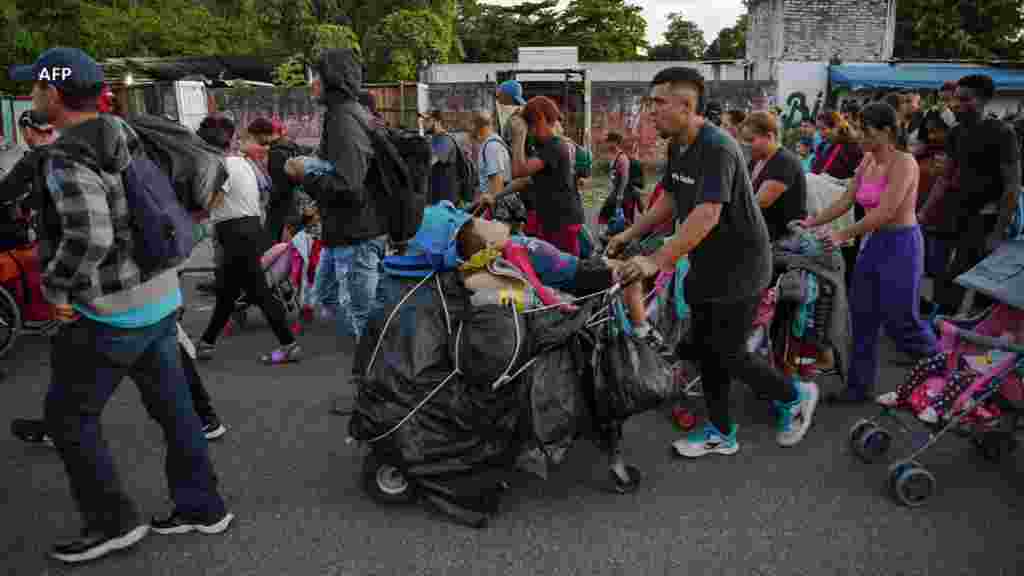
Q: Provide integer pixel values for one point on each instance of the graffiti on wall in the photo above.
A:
(293, 107)
(796, 110)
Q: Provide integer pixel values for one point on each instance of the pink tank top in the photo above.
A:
(869, 194)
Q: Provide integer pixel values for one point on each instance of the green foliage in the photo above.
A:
(984, 29)
(731, 42)
(492, 33)
(604, 30)
(405, 40)
(683, 41)
(291, 73)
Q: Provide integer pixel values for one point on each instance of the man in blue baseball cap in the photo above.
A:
(115, 320)
(74, 77)
(510, 93)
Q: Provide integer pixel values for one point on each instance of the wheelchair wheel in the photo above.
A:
(10, 320)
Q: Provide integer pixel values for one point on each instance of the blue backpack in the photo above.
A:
(161, 228)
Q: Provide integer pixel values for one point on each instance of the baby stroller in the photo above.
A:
(974, 386)
(282, 264)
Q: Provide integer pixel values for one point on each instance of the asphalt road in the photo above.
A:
(292, 483)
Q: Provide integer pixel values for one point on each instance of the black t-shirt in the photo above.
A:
(554, 188)
(783, 167)
(733, 262)
(980, 151)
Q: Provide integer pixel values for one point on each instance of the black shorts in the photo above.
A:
(592, 275)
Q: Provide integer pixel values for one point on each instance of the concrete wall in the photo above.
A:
(295, 107)
(815, 30)
(615, 106)
(641, 71)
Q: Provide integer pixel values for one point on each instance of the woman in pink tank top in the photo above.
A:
(886, 281)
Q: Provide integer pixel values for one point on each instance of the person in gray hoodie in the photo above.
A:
(353, 230)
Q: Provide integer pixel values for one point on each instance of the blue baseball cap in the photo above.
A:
(512, 89)
(67, 69)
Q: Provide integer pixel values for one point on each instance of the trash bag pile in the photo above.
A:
(496, 383)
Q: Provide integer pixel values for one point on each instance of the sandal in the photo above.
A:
(620, 486)
(283, 355)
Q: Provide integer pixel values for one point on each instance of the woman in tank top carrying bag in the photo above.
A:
(887, 275)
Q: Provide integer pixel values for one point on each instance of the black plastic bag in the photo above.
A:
(632, 378)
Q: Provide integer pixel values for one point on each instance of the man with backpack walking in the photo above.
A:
(624, 186)
(451, 173)
(122, 325)
(352, 226)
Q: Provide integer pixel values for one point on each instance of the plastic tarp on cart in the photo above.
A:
(1000, 276)
(919, 76)
(457, 446)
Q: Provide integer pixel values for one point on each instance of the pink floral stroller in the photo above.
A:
(974, 386)
(282, 264)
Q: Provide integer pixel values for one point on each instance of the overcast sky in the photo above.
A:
(710, 16)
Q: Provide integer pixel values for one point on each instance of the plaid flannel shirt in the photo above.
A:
(92, 257)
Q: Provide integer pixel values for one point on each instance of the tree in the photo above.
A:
(406, 40)
(491, 33)
(683, 40)
(983, 29)
(604, 30)
(731, 42)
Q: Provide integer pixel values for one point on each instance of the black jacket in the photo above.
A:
(346, 199)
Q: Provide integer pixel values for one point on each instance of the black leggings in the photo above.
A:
(720, 331)
(200, 397)
(242, 241)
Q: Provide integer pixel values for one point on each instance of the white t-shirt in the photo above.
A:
(241, 192)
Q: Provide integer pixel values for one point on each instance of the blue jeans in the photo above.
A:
(87, 361)
(355, 269)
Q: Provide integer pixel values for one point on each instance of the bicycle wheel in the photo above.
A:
(10, 321)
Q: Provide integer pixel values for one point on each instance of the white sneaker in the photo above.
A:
(795, 418)
(707, 440)
(889, 399)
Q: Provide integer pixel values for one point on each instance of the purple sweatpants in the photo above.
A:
(884, 291)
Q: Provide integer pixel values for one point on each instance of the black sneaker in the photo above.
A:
(212, 428)
(178, 523)
(31, 431)
(93, 544)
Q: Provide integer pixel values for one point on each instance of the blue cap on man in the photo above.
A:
(513, 89)
(67, 69)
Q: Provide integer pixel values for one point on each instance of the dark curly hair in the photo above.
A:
(217, 131)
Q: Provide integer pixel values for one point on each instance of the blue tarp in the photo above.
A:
(919, 76)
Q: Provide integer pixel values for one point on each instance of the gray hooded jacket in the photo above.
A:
(346, 197)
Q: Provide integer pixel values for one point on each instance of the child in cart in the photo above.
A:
(549, 269)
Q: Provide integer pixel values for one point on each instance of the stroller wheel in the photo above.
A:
(911, 484)
(856, 430)
(872, 444)
(384, 482)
